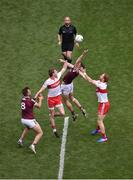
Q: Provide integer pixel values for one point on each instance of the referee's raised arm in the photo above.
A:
(66, 38)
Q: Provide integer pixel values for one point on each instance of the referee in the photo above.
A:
(66, 38)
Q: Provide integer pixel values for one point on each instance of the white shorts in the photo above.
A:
(30, 123)
(67, 89)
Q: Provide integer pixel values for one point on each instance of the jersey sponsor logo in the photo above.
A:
(54, 85)
(98, 90)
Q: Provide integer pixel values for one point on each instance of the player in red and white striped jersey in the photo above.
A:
(54, 99)
(104, 105)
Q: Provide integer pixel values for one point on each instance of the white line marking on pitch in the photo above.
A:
(63, 146)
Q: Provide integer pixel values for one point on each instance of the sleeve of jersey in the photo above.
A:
(59, 75)
(45, 85)
(97, 84)
(60, 31)
(33, 102)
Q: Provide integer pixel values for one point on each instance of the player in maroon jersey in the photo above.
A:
(67, 85)
(28, 118)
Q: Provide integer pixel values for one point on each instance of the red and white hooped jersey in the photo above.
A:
(53, 86)
(101, 91)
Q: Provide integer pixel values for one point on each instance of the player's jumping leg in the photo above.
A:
(61, 111)
(38, 136)
(76, 102)
(69, 106)
(23, 135)
(52, 121)
(102, 128)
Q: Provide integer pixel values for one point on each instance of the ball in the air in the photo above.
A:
(79, 38)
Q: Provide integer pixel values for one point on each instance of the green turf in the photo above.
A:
(28, 48)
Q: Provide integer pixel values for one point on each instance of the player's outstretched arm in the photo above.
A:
(88, 78)
(80, 58)
(39, 103)
(68, 64)
(64, 68)
(82, 75)
(39, 92)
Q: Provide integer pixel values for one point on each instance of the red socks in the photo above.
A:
(53, 127)
(103, 135)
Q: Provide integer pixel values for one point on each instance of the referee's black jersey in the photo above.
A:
(68, 33)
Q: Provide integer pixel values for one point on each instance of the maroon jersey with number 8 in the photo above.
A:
(27, 107)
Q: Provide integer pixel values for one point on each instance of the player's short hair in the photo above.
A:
(25, 91)
(106, 77)
(51, 71)
(82, 65)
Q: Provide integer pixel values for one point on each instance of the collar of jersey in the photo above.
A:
(67, 26)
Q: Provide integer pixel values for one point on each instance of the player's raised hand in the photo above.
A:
(65, 64)
(61, 60)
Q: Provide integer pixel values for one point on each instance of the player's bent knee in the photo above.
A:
(62, 113)
(101, 118)
(72, 99)
(41, 133)
(52, 116)
(99, 121)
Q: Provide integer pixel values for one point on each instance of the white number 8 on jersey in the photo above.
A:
(23, 105)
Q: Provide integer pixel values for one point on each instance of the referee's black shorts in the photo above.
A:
(67, 46)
